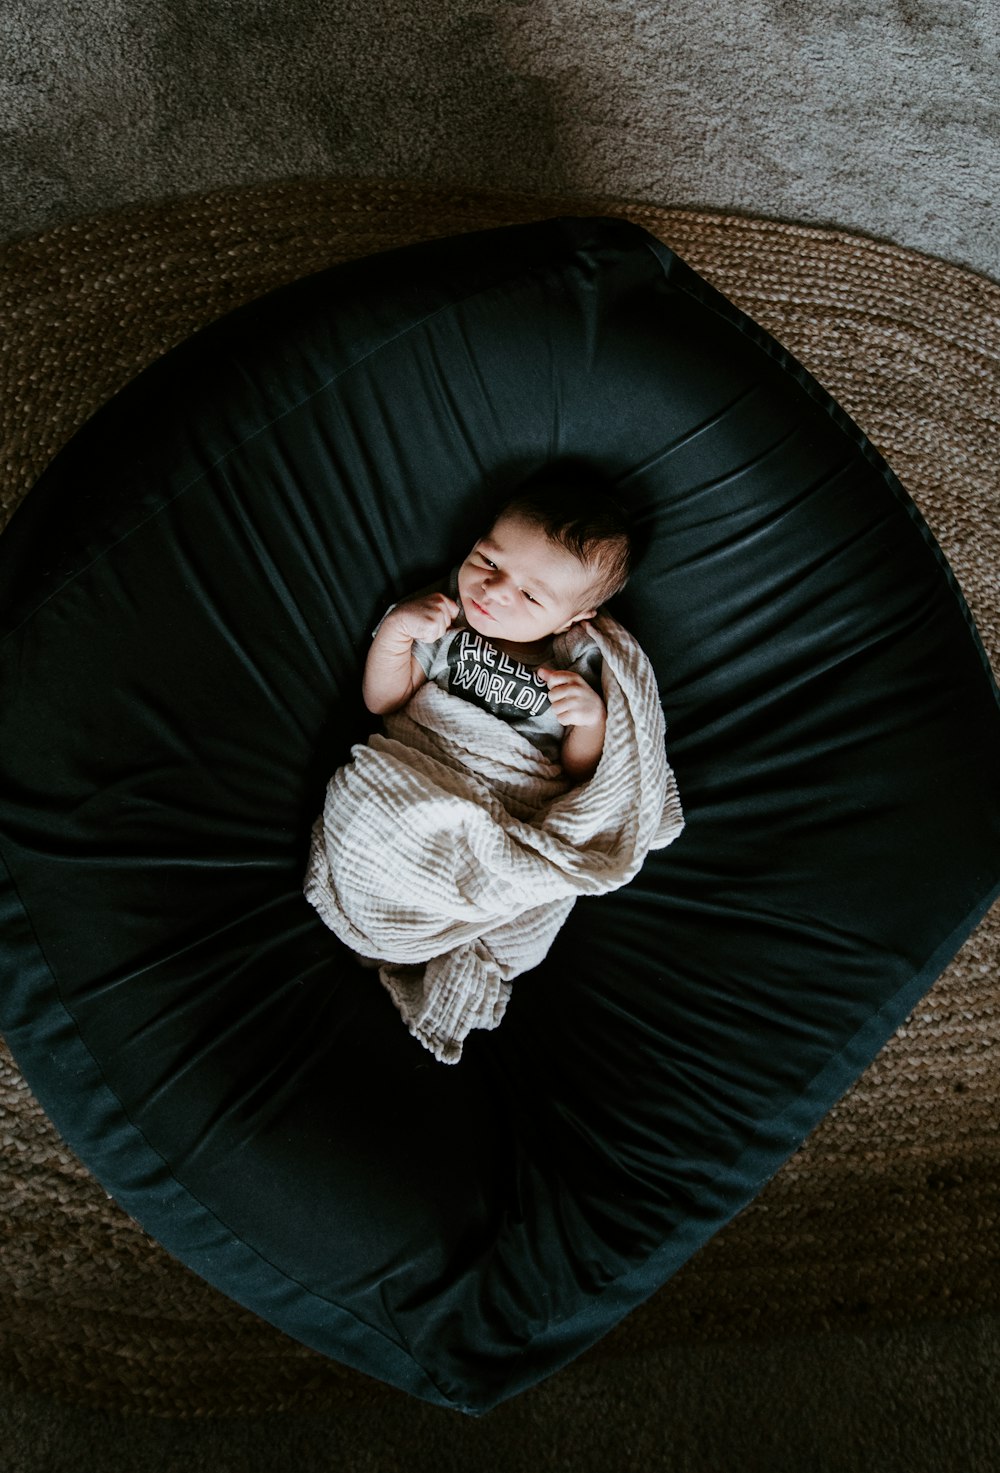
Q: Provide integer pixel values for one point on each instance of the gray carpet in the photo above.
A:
(874, 115)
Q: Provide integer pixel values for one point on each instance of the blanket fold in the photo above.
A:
(450, 850)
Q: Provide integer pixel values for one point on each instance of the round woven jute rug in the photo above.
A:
(890, 1212)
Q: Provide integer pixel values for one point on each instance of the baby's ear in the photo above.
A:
(576, 619)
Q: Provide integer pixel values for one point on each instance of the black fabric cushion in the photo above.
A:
(187, 599)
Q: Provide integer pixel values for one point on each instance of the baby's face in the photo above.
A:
(519, 586)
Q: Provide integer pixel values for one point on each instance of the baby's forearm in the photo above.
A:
(388, 677)
(581, 750)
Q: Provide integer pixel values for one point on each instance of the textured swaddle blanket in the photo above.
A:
(450, 850)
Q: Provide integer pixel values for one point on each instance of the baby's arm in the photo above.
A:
(392, 673)
(582, 711)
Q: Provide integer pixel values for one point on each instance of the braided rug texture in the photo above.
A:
(890, 1212)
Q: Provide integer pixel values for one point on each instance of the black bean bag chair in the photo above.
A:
(187, 598)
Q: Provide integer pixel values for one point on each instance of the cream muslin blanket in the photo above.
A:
(450, 850)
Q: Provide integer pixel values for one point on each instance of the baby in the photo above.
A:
(491, 631)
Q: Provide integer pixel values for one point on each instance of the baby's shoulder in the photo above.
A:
(577, 650)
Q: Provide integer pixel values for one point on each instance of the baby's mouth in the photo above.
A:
(480, 610)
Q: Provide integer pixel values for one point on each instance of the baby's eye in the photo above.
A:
(528, 596)
(486, 560)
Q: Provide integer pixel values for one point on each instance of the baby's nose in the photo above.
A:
(495, 585)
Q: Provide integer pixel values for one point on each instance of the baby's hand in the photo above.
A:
(574, 701)
(425, 619)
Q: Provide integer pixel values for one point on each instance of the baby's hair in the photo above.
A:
(575, 509)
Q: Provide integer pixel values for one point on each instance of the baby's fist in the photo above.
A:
(575, 702)
(424, 619)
